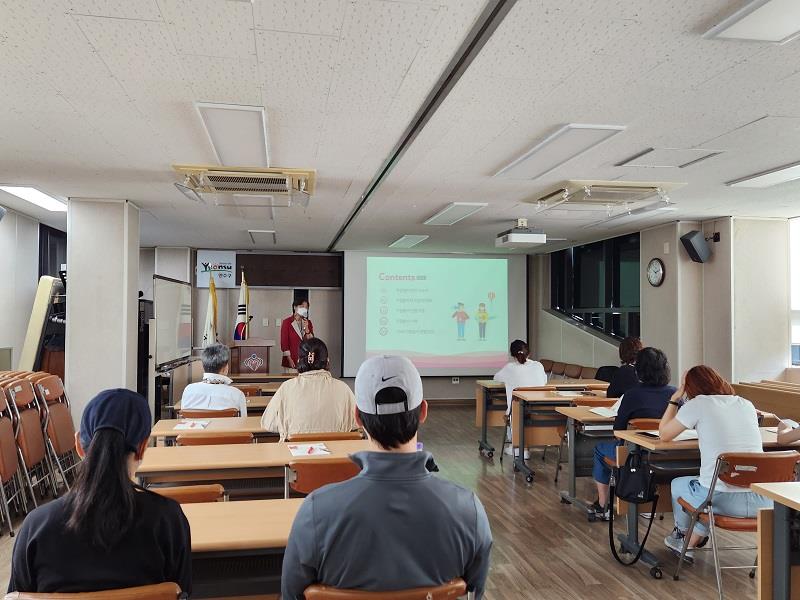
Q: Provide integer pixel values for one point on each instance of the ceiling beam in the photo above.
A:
(485, 25)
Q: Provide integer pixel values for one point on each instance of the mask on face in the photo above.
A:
(302, 311)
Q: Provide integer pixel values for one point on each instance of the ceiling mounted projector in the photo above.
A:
(520, 236)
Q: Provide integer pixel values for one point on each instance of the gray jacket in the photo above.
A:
(393, 526)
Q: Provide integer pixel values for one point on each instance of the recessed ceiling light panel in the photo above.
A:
(662, 158)
(455, 212)
(238, 133)
(775, 21)
(36, 197)
(408, 241)
(769, 178)
(557, 149)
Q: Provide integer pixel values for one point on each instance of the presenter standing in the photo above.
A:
(295, 329)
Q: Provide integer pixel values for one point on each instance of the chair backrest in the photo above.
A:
(588, 373)
(250, 390)
(214, 439)
(572, 371)
(192, 494)
(49, 388)
(644, 424)
(159, 591)
(606, 373)
(447, 591)
(325, 436)
(558, 368)
(8, 450)
(547, 364)
(312, 474)
(741, 469)
(208, 414)
(60, 429)
(28, 426)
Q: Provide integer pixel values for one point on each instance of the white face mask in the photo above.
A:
(302, 311)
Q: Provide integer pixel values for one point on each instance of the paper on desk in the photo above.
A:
(604, 411)
(308, 449)
(568, 393)
(686, 434)
(188, 424)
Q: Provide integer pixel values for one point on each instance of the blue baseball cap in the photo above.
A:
(118, 409)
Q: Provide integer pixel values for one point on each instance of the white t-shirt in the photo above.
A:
(515, 375)
(723, 424)
(215, 392)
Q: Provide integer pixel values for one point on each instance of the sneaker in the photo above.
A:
(600, 513)
(674, 541)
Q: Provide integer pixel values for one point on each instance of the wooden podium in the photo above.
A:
(250, 356)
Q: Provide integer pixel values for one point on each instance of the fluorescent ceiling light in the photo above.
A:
(238, 133)
(258, 232)
(557, 149)
(455, 212)
(769, 178)
(662, 206)
(36, 197)
(661, 158)
(408, 241)
(776, 21)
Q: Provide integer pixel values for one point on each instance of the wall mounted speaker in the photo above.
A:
(696, 246)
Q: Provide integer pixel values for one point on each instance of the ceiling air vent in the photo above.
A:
(607, 194)
(238, 183)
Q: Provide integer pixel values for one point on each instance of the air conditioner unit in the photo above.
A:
(209, 179)
(607, 194)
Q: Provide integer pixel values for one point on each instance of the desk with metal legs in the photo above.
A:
(582, 423)
(786, 517)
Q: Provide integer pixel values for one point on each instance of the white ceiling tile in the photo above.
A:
(119, 9)
(211, 27)
(301, 16)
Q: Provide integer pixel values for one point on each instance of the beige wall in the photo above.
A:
(19, 272)
(175, 263)
(103, 262)
(718, 299)
(761, 298)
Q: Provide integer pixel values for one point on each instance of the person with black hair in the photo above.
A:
(294, 329)
(395, 525)
(312, 402)
(648, 400)
(106, 532)
(519, 372)
(624, 377)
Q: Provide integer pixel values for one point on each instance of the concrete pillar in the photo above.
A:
(102, 289)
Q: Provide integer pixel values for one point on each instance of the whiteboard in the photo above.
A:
(172, 305)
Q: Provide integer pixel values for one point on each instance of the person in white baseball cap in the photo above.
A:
(395, 525)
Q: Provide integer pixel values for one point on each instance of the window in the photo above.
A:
(598, 285)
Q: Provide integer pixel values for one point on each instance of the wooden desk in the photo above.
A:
(165, 428)
(778, 554)
(237, 547)
(636, 441)
(255, 406)
(267, 388)
(582, 425)
(491, 404)
(248, 378)
(227, 461)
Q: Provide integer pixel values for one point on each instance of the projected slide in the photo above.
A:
(440, 312)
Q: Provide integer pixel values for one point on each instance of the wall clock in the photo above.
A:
(655, 272)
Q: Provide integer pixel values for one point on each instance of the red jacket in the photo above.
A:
(290, 340)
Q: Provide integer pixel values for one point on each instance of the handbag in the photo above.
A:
(634, 483)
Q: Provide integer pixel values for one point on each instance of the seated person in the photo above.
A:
(312, 402)
(648, 400)
(724, 423)
(395, 525)
(625, 377)
(215, 391)
(519, 372)
(106, 532)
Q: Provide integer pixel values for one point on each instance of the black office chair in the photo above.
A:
(606, 373)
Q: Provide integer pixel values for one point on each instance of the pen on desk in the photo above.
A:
(310, 450)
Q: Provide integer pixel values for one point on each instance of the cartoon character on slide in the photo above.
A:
(461, 317)
(482, 316)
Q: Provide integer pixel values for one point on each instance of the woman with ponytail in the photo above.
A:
(312, 402)
(519, 372)
(106, 532)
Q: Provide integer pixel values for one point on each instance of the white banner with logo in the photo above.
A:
(219, 263)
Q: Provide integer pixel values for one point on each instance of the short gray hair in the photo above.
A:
(215, 357)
